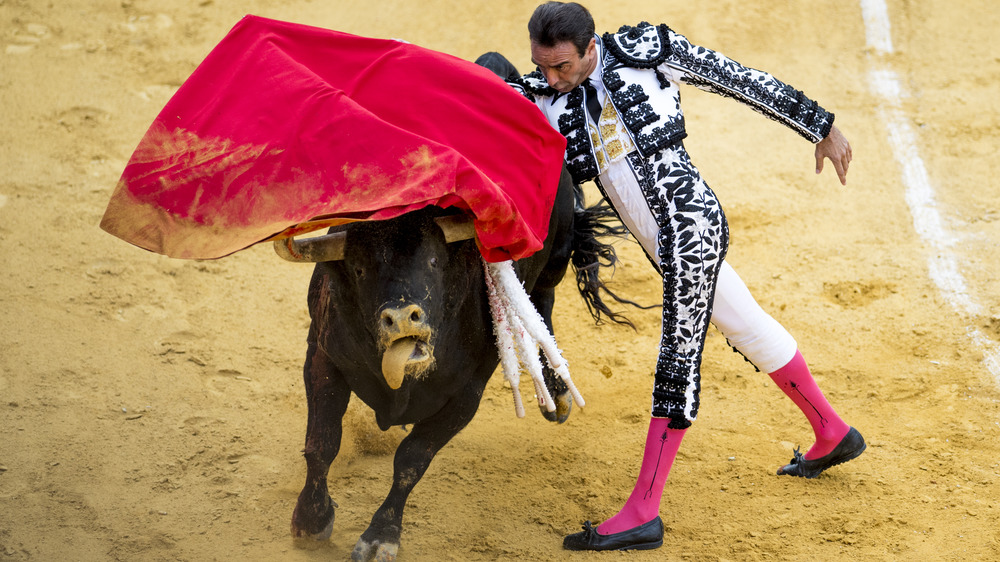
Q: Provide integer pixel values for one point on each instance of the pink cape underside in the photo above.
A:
(285, 129)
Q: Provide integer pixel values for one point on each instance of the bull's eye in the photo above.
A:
(359, 272)
(434, 262)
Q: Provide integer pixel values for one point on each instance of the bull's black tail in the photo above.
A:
(591, 255)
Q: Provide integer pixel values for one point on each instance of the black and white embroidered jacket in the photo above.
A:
(642, 68)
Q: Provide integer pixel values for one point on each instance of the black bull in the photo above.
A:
(403, 301)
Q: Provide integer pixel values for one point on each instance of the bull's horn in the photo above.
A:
(456, 227)
(329, 247)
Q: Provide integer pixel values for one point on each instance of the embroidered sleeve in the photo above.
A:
(765, 94)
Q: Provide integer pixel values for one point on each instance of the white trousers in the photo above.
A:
(747, 327)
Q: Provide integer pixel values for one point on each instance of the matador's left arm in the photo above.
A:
(765, 94)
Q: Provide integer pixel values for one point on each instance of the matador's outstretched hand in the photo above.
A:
(838, 150)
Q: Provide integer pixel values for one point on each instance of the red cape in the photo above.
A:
(286, 128)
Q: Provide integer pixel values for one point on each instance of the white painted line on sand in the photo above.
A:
(942, 264)
(877, 30)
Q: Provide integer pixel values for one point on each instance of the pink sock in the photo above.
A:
(643, 504)
(797, 383)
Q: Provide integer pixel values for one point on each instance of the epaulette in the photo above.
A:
(642, 46)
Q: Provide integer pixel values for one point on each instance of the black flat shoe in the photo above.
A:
(644, 537)
(850, 447)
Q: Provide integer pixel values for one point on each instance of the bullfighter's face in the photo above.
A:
(563, 67)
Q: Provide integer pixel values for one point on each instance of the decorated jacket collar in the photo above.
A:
(534, 84)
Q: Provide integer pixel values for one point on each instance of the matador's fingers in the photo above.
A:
(838, 150)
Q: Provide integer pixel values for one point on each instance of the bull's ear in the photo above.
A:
(329, 247)
(456, 227)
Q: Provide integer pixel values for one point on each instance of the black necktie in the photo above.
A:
(593, 104)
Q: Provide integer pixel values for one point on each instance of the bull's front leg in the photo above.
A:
(414, 454)
(327, 395)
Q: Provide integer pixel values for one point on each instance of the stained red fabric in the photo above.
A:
(286, 128)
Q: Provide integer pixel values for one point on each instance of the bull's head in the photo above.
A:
(398, 273)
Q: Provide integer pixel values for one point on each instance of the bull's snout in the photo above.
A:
(406, 338)
(400, 320)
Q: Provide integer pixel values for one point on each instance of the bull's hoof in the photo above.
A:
(323, 535)
(564, 404)
(379, 552)
(303, 527)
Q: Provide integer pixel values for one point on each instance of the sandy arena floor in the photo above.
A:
(152, 409)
